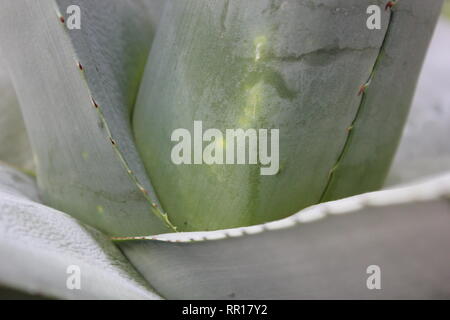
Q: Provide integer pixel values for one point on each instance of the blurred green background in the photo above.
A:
(446, 10)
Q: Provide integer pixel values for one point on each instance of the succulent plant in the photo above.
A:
(99, 106)
(255, 64)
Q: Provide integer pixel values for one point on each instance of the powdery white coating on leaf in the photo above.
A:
(38, 243)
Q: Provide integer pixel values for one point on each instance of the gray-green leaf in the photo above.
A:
(77, 88)
(320, 253)
(424, 149)
(38, 244)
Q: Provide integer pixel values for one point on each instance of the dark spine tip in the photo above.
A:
(361, 90)
(389, 5)
(80, 66)
(94, 103)
(112, 141)
(61, 18)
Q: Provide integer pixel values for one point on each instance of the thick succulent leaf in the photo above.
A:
(76, 89)
(276, 65)
(376, 130)
(38, 244)
(154, 9)
(424, 149)
(321, 252)
(15, 148)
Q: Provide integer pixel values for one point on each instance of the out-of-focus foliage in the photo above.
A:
(446, 9)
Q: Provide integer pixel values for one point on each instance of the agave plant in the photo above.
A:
(100, 193)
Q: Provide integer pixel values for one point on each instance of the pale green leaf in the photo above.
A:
(295, 66)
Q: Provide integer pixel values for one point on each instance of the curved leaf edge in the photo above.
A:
(156, 208)
(427, 190)
(38, 243)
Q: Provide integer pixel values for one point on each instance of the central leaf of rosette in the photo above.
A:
(245, 107)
